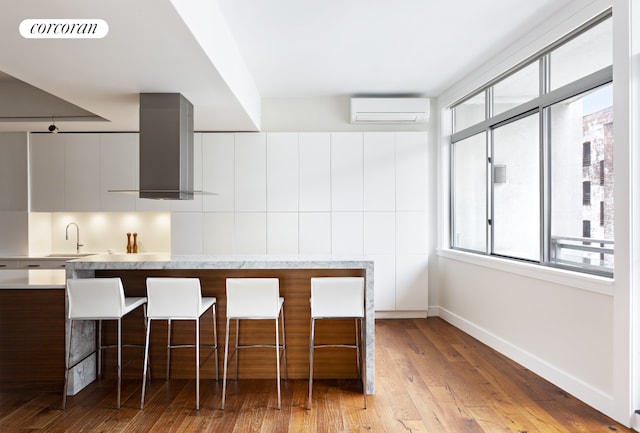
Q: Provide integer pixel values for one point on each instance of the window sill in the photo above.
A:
(592, 283)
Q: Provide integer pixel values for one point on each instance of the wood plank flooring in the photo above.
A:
(430, 377)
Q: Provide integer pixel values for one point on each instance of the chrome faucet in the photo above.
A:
(78, 244)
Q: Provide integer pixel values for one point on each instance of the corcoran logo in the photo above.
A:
(64, 28)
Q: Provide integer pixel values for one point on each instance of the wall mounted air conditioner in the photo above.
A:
(389, 110)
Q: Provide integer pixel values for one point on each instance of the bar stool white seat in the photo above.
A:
(254, 299)
(338, 298)
(97, 299)
(178, 299)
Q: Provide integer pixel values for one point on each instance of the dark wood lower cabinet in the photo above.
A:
(31, 335)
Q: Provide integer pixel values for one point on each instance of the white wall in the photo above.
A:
(572, 329)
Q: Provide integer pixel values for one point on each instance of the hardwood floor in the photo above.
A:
(430, 377)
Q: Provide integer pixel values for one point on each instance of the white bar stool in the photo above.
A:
(338, 298)
(178, 299)
(254, 299)
(97, 299)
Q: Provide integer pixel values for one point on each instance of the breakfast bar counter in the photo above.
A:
(294, 274)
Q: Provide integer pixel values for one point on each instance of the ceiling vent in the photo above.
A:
(389, 110)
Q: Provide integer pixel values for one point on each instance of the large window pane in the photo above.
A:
(582, 181)
(583, 55)
(469, 112)
(516, 89)
(469, 193)
(516, 189)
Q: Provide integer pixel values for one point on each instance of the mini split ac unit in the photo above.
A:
(389, 110)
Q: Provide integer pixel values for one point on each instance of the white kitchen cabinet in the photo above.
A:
(47, 165)
(411, 171)
(346, 171)
(250, 233)
(218, 233)
(186, 233)
(315, 171)
(14, 171)
(118, 171)
(282, 172)
(81, 174)
(250, 172)
(282, 233)
(384, 275)
(194, 205)
(218, 172)
(379, 188)
(412, 282)
(315, 233)
(346, 233)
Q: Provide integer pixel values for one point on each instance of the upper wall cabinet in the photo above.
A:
(218, 172)
(81, 172)
(315, 171)
(411, 171)
(250, 172)
(13, 171)
(282, 172)
(47, 160)
(346, 171)
(118, 171)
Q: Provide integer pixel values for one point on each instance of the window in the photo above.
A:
(532, 151)
(586, 192)
(516, 89)
(470, 222)
(469, 112)
(516, 203)
(586, 154)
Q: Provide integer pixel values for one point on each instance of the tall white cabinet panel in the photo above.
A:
(194, 205)
(118, 170)
(14, 165)
(379, 233)
(218, 233)
(282, 172)
(346, 171)
(250, 233)
(379, 171)
(411, 171)
(47, 172)
(412, 282)
(315, 232)
(250, 173)
(82, 168)
(282, 233)
(218, 171)
(315, 171)
(384, 275)
(411, 232)
(346, 233)
(186, 233)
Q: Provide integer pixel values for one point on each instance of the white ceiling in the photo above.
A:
(226, 55)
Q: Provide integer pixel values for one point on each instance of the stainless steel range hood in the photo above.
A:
(166, 146)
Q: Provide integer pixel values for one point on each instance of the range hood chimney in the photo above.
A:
(166, 146)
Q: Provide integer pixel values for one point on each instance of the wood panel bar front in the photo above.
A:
(295, 287)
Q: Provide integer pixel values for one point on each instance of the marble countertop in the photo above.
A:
(169, 261)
